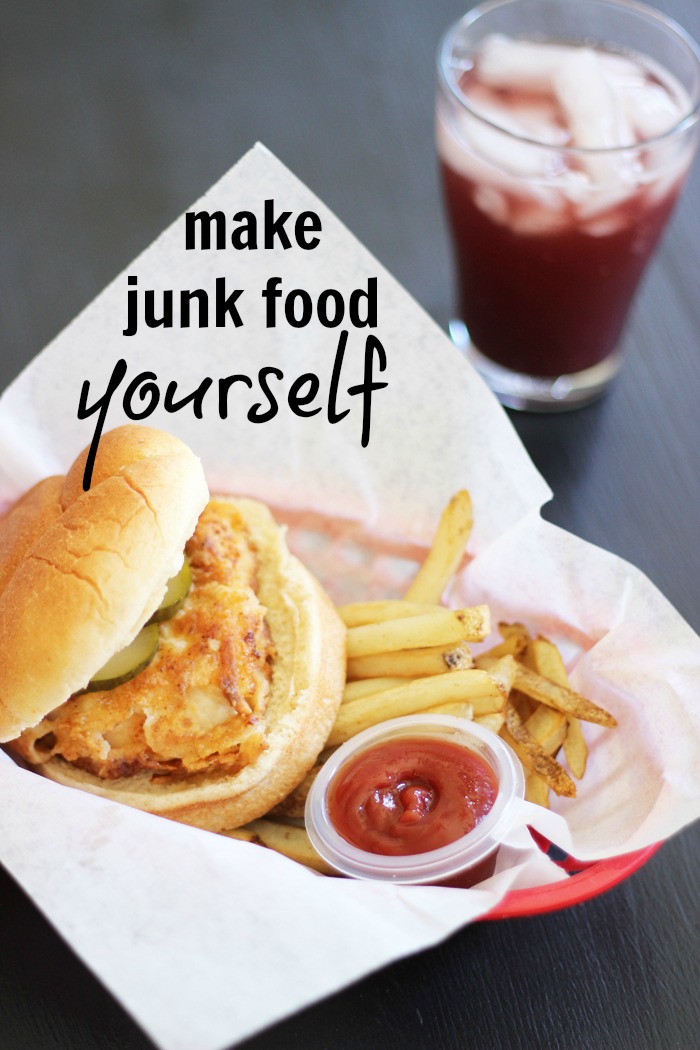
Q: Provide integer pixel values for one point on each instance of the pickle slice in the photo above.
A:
(136, 656)
(175, 593)
(128, 662)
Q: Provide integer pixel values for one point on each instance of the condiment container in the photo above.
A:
(468, 859)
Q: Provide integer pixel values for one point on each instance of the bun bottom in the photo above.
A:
(308, 677)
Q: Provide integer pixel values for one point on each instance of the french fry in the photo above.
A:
(494, 721)
(575, 748)
(438, 627)
(420, 694)
(561, 697)
(544, 657)
(457, 710)
(446, 551)
(514, 630)
(533, 757)
(367, 686)
(536, 790)
(547, 727)
(357, 614)
(411, 663)
(292, 807)
(288, 839)
(459, 658)
(503, 670)
(524, 705)
(513, 645)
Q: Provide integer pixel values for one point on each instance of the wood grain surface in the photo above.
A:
(114, 117)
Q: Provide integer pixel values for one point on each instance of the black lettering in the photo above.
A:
(198, 229)
(306, 308)
(274, 227)
(131, 309)
(166, 321)
(307, 221)
(254, 415)
(148, 382)
(196, 397)
(101, 406)
(270, 292)
(322, 308)
(333, 416)
(248, 225)
(225, 384)
(370, 320)
(202, 298)
(367, 386)
(205, 220)
(226, 306)
(296, 398)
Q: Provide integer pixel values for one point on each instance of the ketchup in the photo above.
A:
(411, 795)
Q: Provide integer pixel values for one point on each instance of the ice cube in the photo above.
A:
(459, 138)
(670, 83)
(531, 220)
(454, 149)
(535, 119)
(598, 201)
(523, 65)
(575, 185)
(509, 154)
(493, 203)
(650, 109)
(617, 65)
(532, 116)
(488, 107)
(666, 185)
(606, 226)
(503, 62)
(539, 118)
(595, 118)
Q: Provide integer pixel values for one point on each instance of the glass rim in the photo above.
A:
(679, 129)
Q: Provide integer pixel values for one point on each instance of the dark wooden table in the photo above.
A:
(115, 116)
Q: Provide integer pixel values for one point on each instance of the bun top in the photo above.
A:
(82, 572)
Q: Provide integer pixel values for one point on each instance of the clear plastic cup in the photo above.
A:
(561, 166)
(464, 862)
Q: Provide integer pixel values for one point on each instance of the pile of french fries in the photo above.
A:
(413, 655)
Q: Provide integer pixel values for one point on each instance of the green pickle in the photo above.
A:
(137, 655)
(175, 593)
(128, 662)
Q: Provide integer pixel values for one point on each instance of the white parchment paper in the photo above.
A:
(203, 939)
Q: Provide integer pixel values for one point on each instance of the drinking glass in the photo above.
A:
(565, 132)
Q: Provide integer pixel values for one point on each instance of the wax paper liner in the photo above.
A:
(203, 939)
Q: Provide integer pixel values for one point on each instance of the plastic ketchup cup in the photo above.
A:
(409, 805)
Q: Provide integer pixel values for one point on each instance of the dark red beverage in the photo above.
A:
(548, 303)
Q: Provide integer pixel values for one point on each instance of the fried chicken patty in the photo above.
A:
(200, 702)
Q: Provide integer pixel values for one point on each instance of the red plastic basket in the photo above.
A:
(584, 881)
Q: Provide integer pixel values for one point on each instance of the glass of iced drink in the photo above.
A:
(565, 131)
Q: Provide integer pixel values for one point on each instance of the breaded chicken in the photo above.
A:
(200, 703)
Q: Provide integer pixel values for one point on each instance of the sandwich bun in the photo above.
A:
(81, 573)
